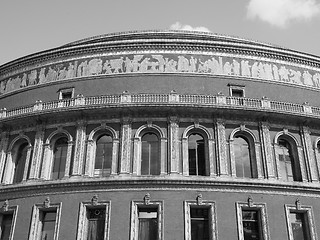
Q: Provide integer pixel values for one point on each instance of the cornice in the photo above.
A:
(131, 183)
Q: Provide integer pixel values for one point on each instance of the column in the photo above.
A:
(125, 149)
(221, 147)
(267, 156)
(173, 151)
(4, 142)
(79, 150)
(311, 165)
(37, 153)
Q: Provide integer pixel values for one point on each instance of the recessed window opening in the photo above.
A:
(196, 150)
(48, 224)
(148, 223)
(96, 223)
(244, 165)
(251, 224)
(150, 155)
(6, 225)
(103, 160)
(199, 223)
(60, 156)
(20, 162)
(299, 225)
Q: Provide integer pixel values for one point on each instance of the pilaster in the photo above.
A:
(266, 146)
(310, 161)
(77, 168)
(37, 153)
(173, 145)
(125, 149)
(4, 142)
(221, 147)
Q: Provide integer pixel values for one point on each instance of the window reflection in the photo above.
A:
(59, 158)
(103, 160)
(150, 157)
(196, 150)
(244, 166)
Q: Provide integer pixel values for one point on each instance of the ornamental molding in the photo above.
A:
(215, 63)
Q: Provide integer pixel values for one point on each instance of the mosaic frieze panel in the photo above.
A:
(164, 63)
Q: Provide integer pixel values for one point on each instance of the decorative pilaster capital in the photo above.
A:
(173, 120)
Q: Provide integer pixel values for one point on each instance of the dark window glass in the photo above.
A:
(20, 163)
(242, 156)
(96, 223)
(6, 226)
(299, 226)
(148, 224)
(196, 150)
(237, 93)
(66, 95)
(251, 225)
(48, 225)
(59, 158)
(150, 156)
(199, 223)
(103, 160)
(289, 170)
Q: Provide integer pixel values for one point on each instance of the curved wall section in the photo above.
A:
(160, 135)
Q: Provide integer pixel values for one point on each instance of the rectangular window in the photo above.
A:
(66, 93)
(251, 224)
(236, 90)
(48, 222)
(94, 220)
(7, 222)
(45, 221)
(146, 220)
(200, 220)
(300, 222)
(252, 221)
(199, 223)
(148, 223)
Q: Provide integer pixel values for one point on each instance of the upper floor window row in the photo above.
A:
(102, 156)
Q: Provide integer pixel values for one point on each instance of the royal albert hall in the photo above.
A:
(160, 135)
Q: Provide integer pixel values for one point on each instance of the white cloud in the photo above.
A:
(280, 12)
(179, 26)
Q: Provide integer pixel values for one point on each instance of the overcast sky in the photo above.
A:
(29, 26)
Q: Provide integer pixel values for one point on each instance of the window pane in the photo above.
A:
(60, 157)
(242, 158)
(196, 151)
(20, 163)
(251, 225)
(299, 226)
(148, 224)
(288, 169)
(199, 223)
(150, 157)
(96, 224)
(6, 226)
(48, 225)
(103, 160)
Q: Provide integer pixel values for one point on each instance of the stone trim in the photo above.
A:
(134, 216)
(307, 211)
(250, 205)
(83, 221)
(36, 225)
(199, 203)
(7, 209)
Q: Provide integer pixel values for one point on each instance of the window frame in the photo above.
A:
(36, 221)
(64, 91)
(199, 203)
(239, 88)
(9, 210)
(263, 221)
(83, 220)
(54, 158)
(95, 156)
(308, 213)
(134, 221)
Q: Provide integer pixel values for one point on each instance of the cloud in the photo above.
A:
(280, 12)
(179, 26)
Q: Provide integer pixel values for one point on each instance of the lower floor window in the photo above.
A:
(6, 226)
(299, 226)
(199, 223)
(148, 224)
(251, 225)
(48, 225)
(96, 224)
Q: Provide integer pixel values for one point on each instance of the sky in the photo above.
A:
(30, 26)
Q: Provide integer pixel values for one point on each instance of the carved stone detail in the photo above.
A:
(125, 150)
(46, 203)
(5, 206)
(37, 153)
(94, 200)
(173, 145)
(199, 199)
(147, 199)
(221, 147)
(79, 148)
(267, 154)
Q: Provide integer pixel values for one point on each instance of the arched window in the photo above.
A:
(59, 158)
(196, 152)
(289, 166)
(150, 154)
(103, 161)
(245, 166)
(20, 162)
